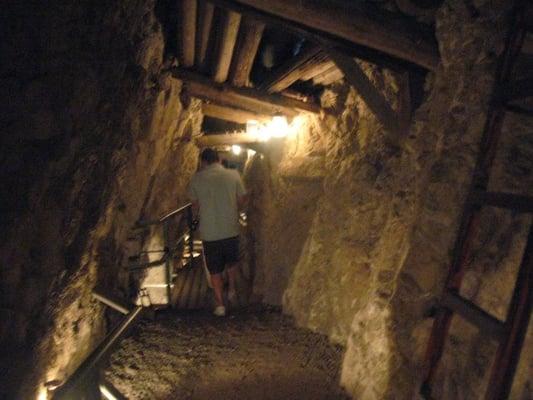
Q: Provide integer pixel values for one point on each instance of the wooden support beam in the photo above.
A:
(203, 29)
(330, 75)
(225, 139)
(241, 98)
(293, 69)
(318, 69)
(405, 106)
(250, 36)
(368, 92)
(187, 32)
(486, 323)
(225, 44)
(372, 34)
(232, 114)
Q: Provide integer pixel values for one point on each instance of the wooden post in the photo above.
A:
(225, 45)
(187, 30)
(293, 69)
(242, 98)
(368, 92)
(249, 38)
(203, 29)
(362, 24)
(232, 114)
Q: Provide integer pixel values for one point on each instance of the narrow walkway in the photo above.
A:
(245, 356)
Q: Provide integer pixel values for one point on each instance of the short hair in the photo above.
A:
(209, 155)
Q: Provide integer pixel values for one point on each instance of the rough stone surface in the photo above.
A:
(259, 355)
(375, 243)
(95, 136)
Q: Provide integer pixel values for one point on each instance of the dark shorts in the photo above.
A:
(219, 253)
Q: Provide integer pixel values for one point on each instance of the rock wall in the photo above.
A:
(95, 136)
(375, 239)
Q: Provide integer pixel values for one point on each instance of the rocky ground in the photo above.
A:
(247, 355)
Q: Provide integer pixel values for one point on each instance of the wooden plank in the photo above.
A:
(293, 69)
(225, 139)
(203, 30)
(318, 70)
(250, 36)
(516, 325)
(366, 89)
(405, 109)
(242, 98)
(486, 323)
(232, 114)
(225, 45)
(326, 77)
(187, 32)
(352, 22)
(332, 77)
(503, 200)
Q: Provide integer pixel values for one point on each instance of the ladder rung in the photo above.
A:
(504, 200)
(111, 301)
(488, 324)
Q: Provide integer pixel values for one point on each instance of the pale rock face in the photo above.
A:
(374, 244)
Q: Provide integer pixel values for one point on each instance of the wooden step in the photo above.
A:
(510, 201)
(486, 323)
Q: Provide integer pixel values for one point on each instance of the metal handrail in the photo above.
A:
(143, 224)
(84, 374)
(169, 249)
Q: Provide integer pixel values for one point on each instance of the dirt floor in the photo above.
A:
(249, 355)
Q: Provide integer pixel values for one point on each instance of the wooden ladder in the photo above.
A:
(510, 333)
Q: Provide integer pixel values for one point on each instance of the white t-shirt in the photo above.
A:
(216, 189)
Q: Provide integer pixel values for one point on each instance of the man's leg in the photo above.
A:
(232, 277)
(218, 288)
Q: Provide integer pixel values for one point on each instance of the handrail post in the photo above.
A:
(168, 272)
(191, 235)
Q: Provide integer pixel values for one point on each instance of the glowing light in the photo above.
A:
(278, 127)
(264, 135)
(252, 127)
(236, 149)
(43, 394)
(251, 153)
(106, 393)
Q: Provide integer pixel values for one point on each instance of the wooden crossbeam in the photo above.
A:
(242, 98)
(318, 69)
(187, 32)
(249, 38)
(293, 69)
(372, 34)
(225, 45)
(232, 114)
(368, 92)
(488, 324)
(225, 139)
(203, 29)
(331, 75)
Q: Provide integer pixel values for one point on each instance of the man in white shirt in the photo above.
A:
(217, 194)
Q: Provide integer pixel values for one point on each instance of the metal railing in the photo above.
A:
(169, 247)
(85, 383)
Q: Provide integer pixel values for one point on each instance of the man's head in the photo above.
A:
(209, 156)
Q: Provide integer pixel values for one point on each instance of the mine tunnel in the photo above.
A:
(385, 247)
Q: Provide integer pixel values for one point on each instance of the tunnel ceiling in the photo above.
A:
(252, 59)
